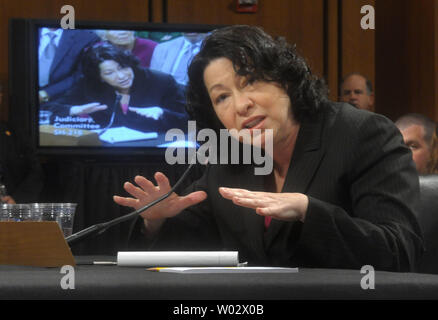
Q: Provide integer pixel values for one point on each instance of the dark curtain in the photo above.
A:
(92, 184)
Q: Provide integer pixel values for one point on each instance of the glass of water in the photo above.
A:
(45, 117)
(5, 212)
(20, 212)
(65, 217)
(63, 213)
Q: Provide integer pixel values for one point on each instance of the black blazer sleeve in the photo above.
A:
(380, 228)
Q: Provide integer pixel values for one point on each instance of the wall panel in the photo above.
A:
(406, 57)
(357, 47)
(332, 41)
(300, 22)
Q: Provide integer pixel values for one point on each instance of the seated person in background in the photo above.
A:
(115, 91)
(358, 91)
(174, 56)
(417, 131)
(432, 167)
(343, 186)
(59, 56)
(126, 40)
(20, 169)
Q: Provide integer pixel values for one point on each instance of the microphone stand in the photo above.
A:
(110, 123)
(102, 227)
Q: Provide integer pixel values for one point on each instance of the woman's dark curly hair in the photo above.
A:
(257, 56)
(99, 53)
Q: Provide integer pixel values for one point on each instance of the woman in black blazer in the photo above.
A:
(115, 91)
(343, 186)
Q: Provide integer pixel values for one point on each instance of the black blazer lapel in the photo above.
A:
(305, 161)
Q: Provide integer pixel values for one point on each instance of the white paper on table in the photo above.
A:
(177, 258)
(124, 134)
(178, 144)
(225, 270)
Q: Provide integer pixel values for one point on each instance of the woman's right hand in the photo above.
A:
(7, 199)
(147, 192)
(87, 108)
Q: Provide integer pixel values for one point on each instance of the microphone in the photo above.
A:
(102, 227)
(110, 123)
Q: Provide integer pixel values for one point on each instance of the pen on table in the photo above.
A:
(156, 269)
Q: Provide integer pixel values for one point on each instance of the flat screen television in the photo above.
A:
(103, 88)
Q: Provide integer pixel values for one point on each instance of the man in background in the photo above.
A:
(174, 56)
(358, 91)
(59, 54)
(417, 131)
(20, 169)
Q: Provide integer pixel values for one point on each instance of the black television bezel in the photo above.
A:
(30, 111)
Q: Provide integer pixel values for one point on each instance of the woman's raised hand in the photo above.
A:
(87, 108)
(281, 206)
(146, 192)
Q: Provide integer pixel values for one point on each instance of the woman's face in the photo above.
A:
(120, 78)
(120, 37)
(242, 105)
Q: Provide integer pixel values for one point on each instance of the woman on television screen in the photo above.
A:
(115, 91)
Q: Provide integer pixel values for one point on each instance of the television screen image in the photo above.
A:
(112, 87)
(103, 88)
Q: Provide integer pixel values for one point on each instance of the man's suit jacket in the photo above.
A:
(166, 53)
(65, 70)
(362, 187)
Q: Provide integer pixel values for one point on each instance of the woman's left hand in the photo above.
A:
(149, 112)
(281, 206)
